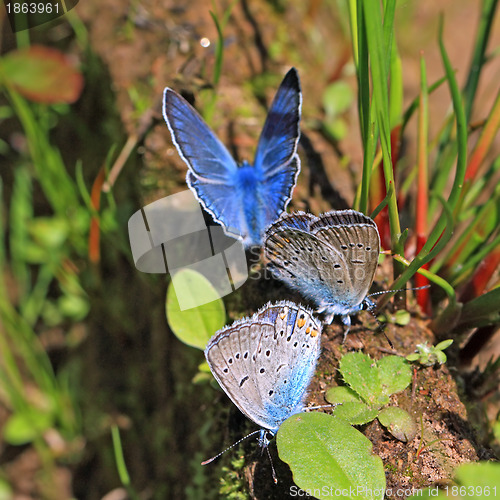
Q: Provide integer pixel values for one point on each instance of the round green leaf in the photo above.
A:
(6, 492)
(194, 326)
(341, 394)
(329, 458)
(394, 373)
(42, 74)
(398, 422)
(337, 98)
(22, 428)
(480, 474)
(356, 413)
(360, 372)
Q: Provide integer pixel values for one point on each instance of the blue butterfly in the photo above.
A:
(330, 259)
(244, 198)
(265, 363)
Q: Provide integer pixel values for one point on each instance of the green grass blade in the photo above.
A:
(478, 58)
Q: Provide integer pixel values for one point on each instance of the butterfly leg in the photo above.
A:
(346, 319)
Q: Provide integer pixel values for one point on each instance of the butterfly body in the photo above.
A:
(265, 363)
(244, 198)
(330, 259)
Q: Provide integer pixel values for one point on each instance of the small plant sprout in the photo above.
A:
(366, 395)
(428, 355)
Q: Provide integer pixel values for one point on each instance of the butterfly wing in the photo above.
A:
(277, 164)
(308, 264)
(212, 172)
(280, 135)
(265, 363)
(356, 237)
(204, 154)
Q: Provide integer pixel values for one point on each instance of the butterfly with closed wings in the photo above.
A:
(243, 198)
(266, 362)
(330, 259)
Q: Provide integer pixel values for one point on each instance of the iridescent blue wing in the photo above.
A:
(204, 154)
(276, 159)
(212, 174)
(280, 135)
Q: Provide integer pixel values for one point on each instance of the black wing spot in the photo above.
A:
(237, 355)
(230, 361)
(340, 282)
(268, 353)
(337, 266)
(243, 380)
(262, 370)
(245, 356)
(344, 247)
(271, 392)
(225, 370)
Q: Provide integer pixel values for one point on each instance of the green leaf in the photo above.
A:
(479, 474)
(356, 413)
(359, 372)
(329, 458)
(337, 98)
(22, 428)
(194, 326)
(394, 373)
(473, 480)
(398, 422)
(41, 74)
(444, 344)
(6, 492)
(481, 311)
(350, 408)
(341, 394)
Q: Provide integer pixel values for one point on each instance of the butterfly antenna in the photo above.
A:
(275, 479)
(229, 447)
(398, 290)
(381, 326)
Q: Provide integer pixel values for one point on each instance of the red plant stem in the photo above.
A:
(378, 189)
(485, 140)
(482, 276)
(422, 203)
